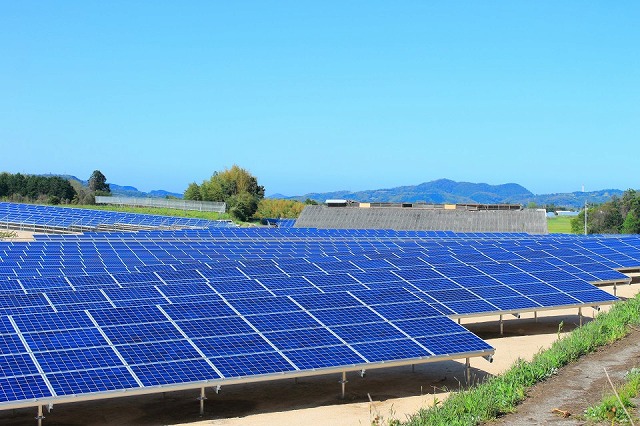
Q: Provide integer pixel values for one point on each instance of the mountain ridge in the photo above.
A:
(447, 191)
(125, 190)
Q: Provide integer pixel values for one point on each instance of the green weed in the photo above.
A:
(501, 394)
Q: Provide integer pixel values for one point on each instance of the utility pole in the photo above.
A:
(585, 217)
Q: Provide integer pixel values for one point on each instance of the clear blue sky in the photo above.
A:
(325, 95)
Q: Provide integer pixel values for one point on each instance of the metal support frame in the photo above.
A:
(467, 370)
(343, 382)
(40, 416)
(201, 398)
(535, 315)
(501, 327)
(615, 289)
(580, 315)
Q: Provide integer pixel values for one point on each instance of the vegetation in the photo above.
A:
(163, 211)
(235, 186)
(500, 395)
(31, 188)
(559, 225)
(609, 408)
(621, 215)
(98, 183)
(276, 208)
(8, 234)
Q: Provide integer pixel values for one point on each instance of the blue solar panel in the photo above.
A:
(394, 349)
(330, 356)
(407, 310)
(435, 284)
(117, 316)
(64, 339)
(511, 303)
(370, 332)
(214, 347)
(101, 380)
(471, 307)
(101, 264)
(77, 359)
(175, 372)
(17, 365)
(453, 295)
(138, 333)
(595, 295)
(208, 309)
(23, 388)
(5, 326)
(303, 338)
(453, 343)
(265, 305)
(11, 344)
(433, 326)
(148, 353)
(554, 299)
(282, 321)
(214, 327)
(252, 365)
(52, 321)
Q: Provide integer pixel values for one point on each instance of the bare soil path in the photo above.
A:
(577, 386)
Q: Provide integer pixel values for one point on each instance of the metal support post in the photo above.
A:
(535, 315)
(343, 382)
(40, 416)
(615, 289)
(458, 320)
(201, 398)
(467, 371)
(413, 368)
(580, 315)
(501, 326)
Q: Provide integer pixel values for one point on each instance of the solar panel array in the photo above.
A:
(76, 219)
(125, 312)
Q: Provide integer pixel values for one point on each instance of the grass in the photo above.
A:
(559, 224)
(8, 234)
(163, 211)
(501, 394)
(609, 408)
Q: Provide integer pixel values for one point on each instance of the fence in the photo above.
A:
(203, 206)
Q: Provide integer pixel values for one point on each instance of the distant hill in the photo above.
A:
(445, 191)
(125, 191)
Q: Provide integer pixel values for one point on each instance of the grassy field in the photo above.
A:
(500, 395)
(559, 225)
(161, 211)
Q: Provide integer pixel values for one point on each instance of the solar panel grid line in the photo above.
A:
(276, 349)
(395, 326)
(41, 372)
(328, 328)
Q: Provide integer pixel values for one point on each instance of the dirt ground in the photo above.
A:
(394, 392)
(20, 235)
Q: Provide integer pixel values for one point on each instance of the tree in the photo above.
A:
(271, 208)
(98, 183)
(193, 192)
(631, 224)
(234, 186)
(242, 206)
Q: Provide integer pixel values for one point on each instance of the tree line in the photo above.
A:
(620, 215)
(20, 187)
(244, 196)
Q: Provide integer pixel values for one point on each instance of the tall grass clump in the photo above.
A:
(499, 395)
(609, 408)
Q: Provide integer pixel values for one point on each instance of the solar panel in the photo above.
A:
(233, 303)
